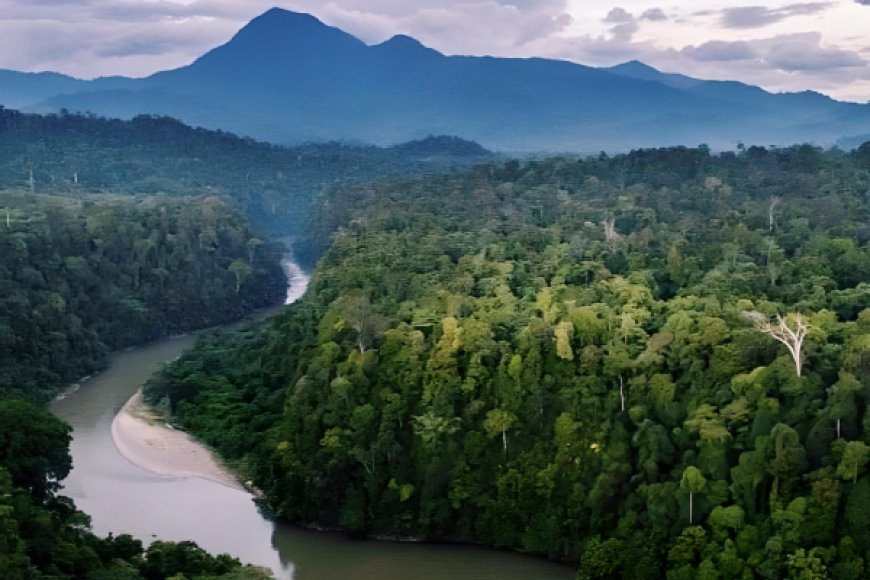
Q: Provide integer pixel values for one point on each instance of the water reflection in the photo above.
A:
(123, 498)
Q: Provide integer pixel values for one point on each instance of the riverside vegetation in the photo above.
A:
(580, 359)
(43, 535)
(79, 277)
(117, 232)
(86, 275)
(114, 233)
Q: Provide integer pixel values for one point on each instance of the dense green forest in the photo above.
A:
(655, 364)
(43, 535)
(82, 271)
(113, 233)
(277, 186)
(81, 276)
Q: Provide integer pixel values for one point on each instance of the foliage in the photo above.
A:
(557, 361)
(70, 154)
(43, 535)
(82, 276)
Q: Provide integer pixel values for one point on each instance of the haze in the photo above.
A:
(783, 46)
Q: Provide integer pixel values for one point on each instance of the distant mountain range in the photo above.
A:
(288, 78)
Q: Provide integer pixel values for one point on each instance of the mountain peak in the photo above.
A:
(276, 35)
(635, 65)
(406, 45)
(286, 17)
(281, 22)
(640, 70)
(403, 40)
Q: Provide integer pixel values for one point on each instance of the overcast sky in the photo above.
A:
(824, 46)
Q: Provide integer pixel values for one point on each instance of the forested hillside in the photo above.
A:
(276, 186)
(81, 276)
(652, 364)
(84, 271)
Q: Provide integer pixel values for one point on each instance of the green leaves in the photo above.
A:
(85, 275)
(692, 481)
(33, 448)
(854, 458)
(545, 388)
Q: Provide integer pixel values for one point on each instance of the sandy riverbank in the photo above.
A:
(146, 441)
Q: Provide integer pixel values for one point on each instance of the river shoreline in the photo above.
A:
(133, 476)
(144, 439)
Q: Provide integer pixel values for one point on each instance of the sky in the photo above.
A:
(780, 46)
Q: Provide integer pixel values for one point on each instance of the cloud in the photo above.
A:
(618, 16)
(759, 16)
(804, 52)
(452, 26)
(790, 53)
(136, 37)
(624, 24)
(721, 51)
(657, 14)
(97, 37)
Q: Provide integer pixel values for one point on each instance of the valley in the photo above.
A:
(319, 304)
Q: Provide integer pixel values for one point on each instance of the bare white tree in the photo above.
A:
(610, 233)
(790, 331)
(621, 393)
(775, 200)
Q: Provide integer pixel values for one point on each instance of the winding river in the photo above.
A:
(122, 497)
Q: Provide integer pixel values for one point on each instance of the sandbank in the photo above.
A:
(146, 441)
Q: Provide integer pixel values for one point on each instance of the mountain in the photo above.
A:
(20, 89)
(288, 78)
(642, 71)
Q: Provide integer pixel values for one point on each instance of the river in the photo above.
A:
(124, 498)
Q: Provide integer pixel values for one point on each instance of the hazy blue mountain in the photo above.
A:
(289, 78)
(853, 141)
(19, 89)
(642, 71)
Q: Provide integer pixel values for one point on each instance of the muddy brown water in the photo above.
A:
(121, 498)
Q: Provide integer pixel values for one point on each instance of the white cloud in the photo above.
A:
(720, 50)
(804, 52)
(759, 16)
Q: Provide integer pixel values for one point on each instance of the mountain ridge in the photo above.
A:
(287, 77)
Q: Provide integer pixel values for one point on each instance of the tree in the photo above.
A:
(499, 421)
(362, 317)
(692, 482)
(842, 398)
(855, 457)
(431, 428)
(252, 245)
(563, 332)
(33, 447)
(857, 515)
(732, 517)
(775, 200)
(806, 566)
(790, 331)
(241, 270)
(784, 454)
